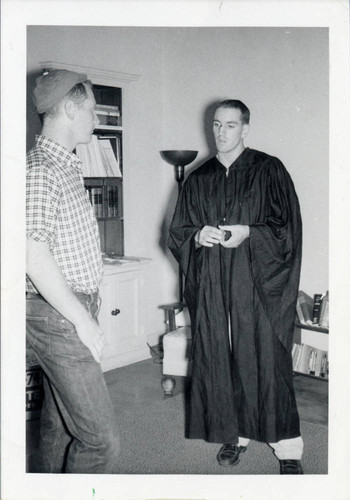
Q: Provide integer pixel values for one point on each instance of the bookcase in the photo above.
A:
(102, 161)
(311, 352)
(310, 349)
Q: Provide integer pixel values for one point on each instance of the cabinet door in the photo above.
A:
(119, 319)
(113, 237)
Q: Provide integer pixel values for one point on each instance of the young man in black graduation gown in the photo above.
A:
(236, 233)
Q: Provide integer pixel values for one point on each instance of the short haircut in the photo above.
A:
(77, 94)
(236, 104)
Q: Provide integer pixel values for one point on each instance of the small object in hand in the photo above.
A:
(227, 235)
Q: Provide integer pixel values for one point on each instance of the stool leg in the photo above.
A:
(168, 384)
(172, 321)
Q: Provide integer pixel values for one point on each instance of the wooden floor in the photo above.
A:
(139, 384)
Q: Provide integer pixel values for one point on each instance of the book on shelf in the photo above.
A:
(316, 310)
(324, 313)
(95, 195)
(310, 360)
(296, 351)
(98, 158)
(313, 311)
(88, 192)
(108, 115)
(321, 363)
(112, 196)
(107, 109)
(111, 161)
(304, 360)
(304, 307)
(300, 315)
(91, 159)
(96, 201)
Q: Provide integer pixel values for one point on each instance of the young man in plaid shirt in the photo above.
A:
(64, 269)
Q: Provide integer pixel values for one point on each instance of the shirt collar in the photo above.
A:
(59, 152)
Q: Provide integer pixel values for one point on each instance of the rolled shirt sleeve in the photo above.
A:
(43, 200)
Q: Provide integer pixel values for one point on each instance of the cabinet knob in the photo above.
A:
(115, 312)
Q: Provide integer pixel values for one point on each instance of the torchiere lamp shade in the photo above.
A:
(179, 157)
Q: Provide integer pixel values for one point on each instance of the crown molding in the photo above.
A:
(97, 76)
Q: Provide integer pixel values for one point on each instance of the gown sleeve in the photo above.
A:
(275, 251)
(184, 226)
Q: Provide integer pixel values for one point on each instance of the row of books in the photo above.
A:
(98, 158)
(313, 310)
(310, 360)
(109, 116)
(96, 200)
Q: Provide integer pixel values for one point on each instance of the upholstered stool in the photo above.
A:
(177, 352)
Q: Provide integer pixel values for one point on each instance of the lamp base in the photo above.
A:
(168, 384)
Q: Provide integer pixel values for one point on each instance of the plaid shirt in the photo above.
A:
(58, 211)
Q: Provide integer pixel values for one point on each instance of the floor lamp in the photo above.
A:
(179, 159)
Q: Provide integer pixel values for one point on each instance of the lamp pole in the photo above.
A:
(180, 176)
(179, 159)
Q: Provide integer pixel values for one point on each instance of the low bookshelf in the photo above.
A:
(312, 351)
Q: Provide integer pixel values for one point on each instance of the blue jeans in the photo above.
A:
(78, 425)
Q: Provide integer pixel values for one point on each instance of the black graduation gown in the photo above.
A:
(242, 382)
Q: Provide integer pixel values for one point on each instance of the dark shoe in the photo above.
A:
(229, 454)
(291, 467)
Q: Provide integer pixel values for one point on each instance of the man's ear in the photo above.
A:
(69, 108)
(245, 130)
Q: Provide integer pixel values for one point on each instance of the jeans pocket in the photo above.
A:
(38, 335)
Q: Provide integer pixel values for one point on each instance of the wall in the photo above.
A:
(280, 73)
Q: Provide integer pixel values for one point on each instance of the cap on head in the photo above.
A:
(51, 86)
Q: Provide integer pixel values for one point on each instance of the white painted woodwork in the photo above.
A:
(122, 288)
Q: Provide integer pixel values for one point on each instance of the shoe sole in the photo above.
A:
(229, 465)
(224, 464)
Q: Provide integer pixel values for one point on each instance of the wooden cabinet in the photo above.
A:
(122, 292)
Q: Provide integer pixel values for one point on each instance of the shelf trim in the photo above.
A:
(304, 326)
(310, 375)
(106, 128)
